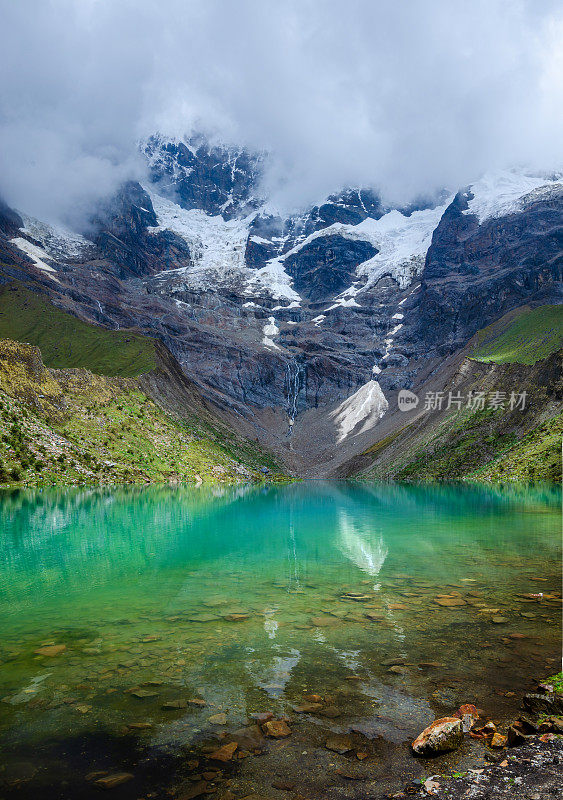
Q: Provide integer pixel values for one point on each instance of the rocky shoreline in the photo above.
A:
(522, 760)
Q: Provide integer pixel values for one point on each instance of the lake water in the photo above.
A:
(394, 603)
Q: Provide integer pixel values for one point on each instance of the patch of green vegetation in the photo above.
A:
(525, 338)
(556, 681)
(379, 446)
(535, 458)
(458, 447)
(82, 428)
(482, 446)
(66, 341)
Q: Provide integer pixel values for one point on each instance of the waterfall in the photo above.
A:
(294, 382)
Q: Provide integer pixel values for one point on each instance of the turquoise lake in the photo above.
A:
(395, 603)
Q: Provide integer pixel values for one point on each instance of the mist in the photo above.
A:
(407, 98)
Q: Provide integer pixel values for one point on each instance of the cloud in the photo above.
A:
(405, 97)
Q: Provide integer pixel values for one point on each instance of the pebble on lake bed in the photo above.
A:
(218, 719)
(224, 753)
(116, 779)
(51, 650)
(339, 744)
(276, 729)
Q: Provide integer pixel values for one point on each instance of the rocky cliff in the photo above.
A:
(300, 328)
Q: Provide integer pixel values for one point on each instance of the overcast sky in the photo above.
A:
(406, 96)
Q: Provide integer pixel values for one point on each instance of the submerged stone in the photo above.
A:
(307, 708)
(51, 650)
(339, 744)
(450, 602)
(113, 780)
(218, 719)
(276, 729)
(143, 694)
(171, 705)
(224, 753)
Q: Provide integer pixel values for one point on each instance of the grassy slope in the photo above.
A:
(60, 427)
(523, 337)
(491, 445)
(66, 341)
(459, 447)
(537, 457)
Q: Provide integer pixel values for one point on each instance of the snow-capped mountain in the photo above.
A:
(298, 323)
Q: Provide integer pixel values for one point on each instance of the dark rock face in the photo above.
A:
(120, 232)
(475, 273)
(349, 207)
(218, 180)
(10, 220)
(326, 266)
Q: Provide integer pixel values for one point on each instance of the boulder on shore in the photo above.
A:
(550, 704)
(441, 736)
(468, 714)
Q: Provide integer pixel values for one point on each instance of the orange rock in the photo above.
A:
(224, 753)
(468, 714)
(276, 729)
(441, 736)
(51, 650)
(450, 602)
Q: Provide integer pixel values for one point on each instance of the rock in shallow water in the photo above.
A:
(51, 650)
(339, 744)
(116, 779)
(224, 753)
(441, 736)
(544, 703)
(276, 729)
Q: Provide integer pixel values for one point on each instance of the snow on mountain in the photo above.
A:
(217, 247)
(368, 404)
(504, 192)
(58, 242)
(274, 279)
(159, 158)
(37, 254)
(270, 329)
(402, 242)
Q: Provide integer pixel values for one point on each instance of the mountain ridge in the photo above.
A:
(287, 324)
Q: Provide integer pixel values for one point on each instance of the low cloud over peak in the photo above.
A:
(405, 97)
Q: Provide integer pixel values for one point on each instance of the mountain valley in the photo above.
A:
(299, 331)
